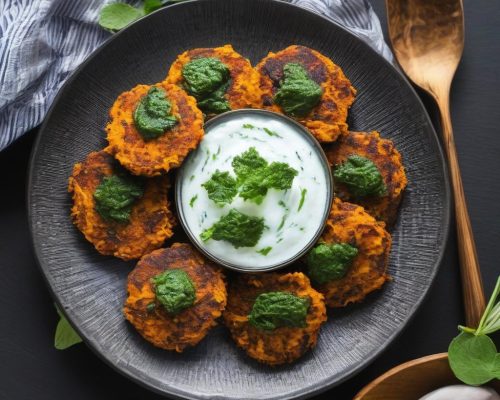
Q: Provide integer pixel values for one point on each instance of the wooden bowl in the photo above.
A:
(413, 379)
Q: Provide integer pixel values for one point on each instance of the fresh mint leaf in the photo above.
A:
(247, 163)
(239, 229)
(279, 176)
(116, 16)
(65, 335)
(221, 188)
(474, 358)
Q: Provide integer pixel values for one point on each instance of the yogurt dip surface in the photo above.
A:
(293, 218)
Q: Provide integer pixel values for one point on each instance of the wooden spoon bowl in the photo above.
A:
(414, 379)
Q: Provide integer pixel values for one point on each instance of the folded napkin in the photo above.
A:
(42, 42)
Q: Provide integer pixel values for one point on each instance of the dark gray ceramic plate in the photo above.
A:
(91, 288)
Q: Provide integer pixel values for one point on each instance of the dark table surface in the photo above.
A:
(30, 367)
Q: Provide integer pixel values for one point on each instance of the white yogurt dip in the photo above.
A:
(292, 217)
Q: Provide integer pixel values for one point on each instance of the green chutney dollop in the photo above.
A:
(239, 229)
(330, 261)
(152, 116)
(174, 290)
(361, 176)
(207, 80)
(273, 310)
(115, 196)
(298, 94)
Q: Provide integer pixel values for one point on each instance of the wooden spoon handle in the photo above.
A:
(472, 285)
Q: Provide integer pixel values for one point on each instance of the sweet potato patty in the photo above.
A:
(387, 159)
(284, 344)
(156, 156)
(350, 223)
(328, 119)
(190, 326)
(243, 91)
(150, 222)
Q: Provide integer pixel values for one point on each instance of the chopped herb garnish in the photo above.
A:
(248, 126)
(239, 229)
(302, 198)
(282, 224)
(215, 155)
(265, 251)
(271, 133)
(193, 199)
(282, 204)
(221, 188)
(246, 163)
(255, 176)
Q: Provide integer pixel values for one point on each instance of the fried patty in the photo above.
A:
(150, 222)
(350, 223)
(243, 91)
(156, 156)
(387, 159)
(284, 344)
(190, 326)
(326, 121)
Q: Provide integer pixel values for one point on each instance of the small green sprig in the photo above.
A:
(65, 335)
(472, 355)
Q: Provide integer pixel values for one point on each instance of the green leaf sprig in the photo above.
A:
(116, 16)
(472, 355)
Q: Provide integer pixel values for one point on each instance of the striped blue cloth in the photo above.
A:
(43, 41)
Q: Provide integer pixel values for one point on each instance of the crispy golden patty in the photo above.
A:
(328, 119)
(190, 326)
(150, 222)
(243, 91)
(350, 223)
(387, 159)
(285, 344)
(156, 156)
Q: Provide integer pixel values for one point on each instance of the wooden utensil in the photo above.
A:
(428, 40)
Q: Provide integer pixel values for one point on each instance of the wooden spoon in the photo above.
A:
(428, 40)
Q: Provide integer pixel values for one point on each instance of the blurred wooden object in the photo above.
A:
(428, 40)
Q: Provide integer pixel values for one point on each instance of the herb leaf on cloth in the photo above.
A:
(117, 16)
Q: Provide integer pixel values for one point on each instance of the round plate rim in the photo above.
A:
(173, 392)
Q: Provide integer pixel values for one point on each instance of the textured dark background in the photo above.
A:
(31, 369)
